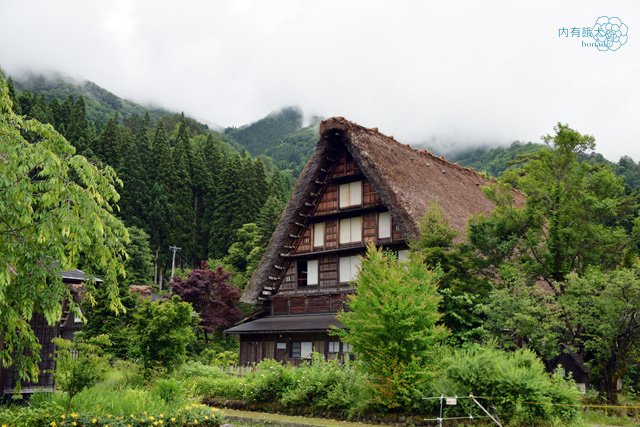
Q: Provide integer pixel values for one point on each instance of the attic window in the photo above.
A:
(351, 194)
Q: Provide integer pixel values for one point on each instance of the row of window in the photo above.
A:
(303, 349)
(350, 230)
(308, 272)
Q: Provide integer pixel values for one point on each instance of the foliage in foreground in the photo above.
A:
(56, 210)
(79, 365)
(164, 329)
(515, 382)
(51, 415)
(392, 324)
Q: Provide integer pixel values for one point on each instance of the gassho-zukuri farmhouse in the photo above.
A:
(359, 187)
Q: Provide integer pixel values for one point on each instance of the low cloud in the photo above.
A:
(463, 73)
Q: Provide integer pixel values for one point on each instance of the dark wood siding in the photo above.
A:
(331, 234)
(370, 227)
(369, 196)
(307, 304)
(254, 348)
(328, 267)
(346, 166)
(305, 244)
(329, 200)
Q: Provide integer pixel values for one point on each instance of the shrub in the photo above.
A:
(193, 369)
(225, 388)
(79, 364)
(31, 416)
(513, 381)
(327, 387)
(164, 329)
(268, 382)
(187, 416)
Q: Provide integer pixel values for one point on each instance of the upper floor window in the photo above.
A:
(350, 194)
(351, 230)
(384, 225)
(307, 272)
(318, 234)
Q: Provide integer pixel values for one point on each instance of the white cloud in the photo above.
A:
(466, 71)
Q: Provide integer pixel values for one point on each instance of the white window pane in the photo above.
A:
(318, 234)
(356, 263)
(345, 269)
(312, 272)
(345, 230)
(356, 229)
(355, 193)
(281, 346)
(403, 255)
(384, 225)
(344, 195)
(305, 350)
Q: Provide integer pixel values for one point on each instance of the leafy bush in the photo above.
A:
(79, 364)
(268, 382)
(31, 416)
(327, 386)
(225, 388)
(513, 381)
(190, 415)
(164, 329)
(197, 369)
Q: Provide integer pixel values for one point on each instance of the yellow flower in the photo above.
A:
(195, 421)
(206, 417)
(173, 420)
(151, 418)
(74, 415)
(161, 422)
(94, 420)
(53, 424)
(161, 415)
(74, 423)
(155, 423)
(62, 416)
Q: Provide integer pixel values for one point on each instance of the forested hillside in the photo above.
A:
(495, 161)
(281, 136)
(183, 184)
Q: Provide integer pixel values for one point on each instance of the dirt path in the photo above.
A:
(263, 418)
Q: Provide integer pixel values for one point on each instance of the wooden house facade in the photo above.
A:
(359, 187)
(68, 325)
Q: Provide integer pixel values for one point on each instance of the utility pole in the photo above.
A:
(173, 249)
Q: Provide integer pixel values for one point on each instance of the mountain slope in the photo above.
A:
(100, 103)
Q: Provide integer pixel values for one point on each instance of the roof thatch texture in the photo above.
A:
(407, 180)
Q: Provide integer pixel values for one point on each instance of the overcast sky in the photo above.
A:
(464, 72)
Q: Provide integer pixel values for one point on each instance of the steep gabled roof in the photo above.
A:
(407, 180)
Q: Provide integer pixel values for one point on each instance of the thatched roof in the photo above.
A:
(407, 180)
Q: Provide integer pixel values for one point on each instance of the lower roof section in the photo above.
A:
(288, 323)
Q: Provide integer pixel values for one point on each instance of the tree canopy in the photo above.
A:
(57, 211)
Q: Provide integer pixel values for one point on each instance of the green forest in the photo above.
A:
(109, 186)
